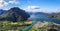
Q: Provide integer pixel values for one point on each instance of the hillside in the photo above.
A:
(17, 19)
(15, 14)
(45, 26)
(55, 16)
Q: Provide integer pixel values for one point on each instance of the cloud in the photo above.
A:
(57, 10)
(39, 9)
(35, 9)
(3, 3)
(32, 8)
(13, 2)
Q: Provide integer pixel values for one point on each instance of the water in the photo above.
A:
(41, 18)
(29, 27)
(44, 18)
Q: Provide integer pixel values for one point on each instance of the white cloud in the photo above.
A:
(57, 10)
(38, 9)
(32, 8)
(35, 9)
(13, 2)
(3, 3)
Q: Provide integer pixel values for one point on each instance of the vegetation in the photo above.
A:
(54, 15)
(50, 27)
(15, 26)
(14, 19)
(17, 20)
(15, 14)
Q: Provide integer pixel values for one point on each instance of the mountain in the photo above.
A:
(2, 12)
(15, 14)
(50, 15)
(55, 15)
(46, 26)
(37, 13)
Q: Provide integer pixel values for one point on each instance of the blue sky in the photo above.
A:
(28, 5)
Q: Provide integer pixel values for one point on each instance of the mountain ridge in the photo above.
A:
(14, 14)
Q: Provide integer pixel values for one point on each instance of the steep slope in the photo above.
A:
(15, 14)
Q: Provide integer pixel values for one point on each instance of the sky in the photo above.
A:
(32, 5)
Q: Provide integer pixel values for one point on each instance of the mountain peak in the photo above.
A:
(14, 9)
(16, 14)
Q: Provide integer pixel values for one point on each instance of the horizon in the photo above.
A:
(47, 6)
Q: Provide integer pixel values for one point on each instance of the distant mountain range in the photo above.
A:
(51, 15)
(55, 15)
(3, 11)
(38, 13)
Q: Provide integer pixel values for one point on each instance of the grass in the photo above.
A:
(13, 26)
(19, 26)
